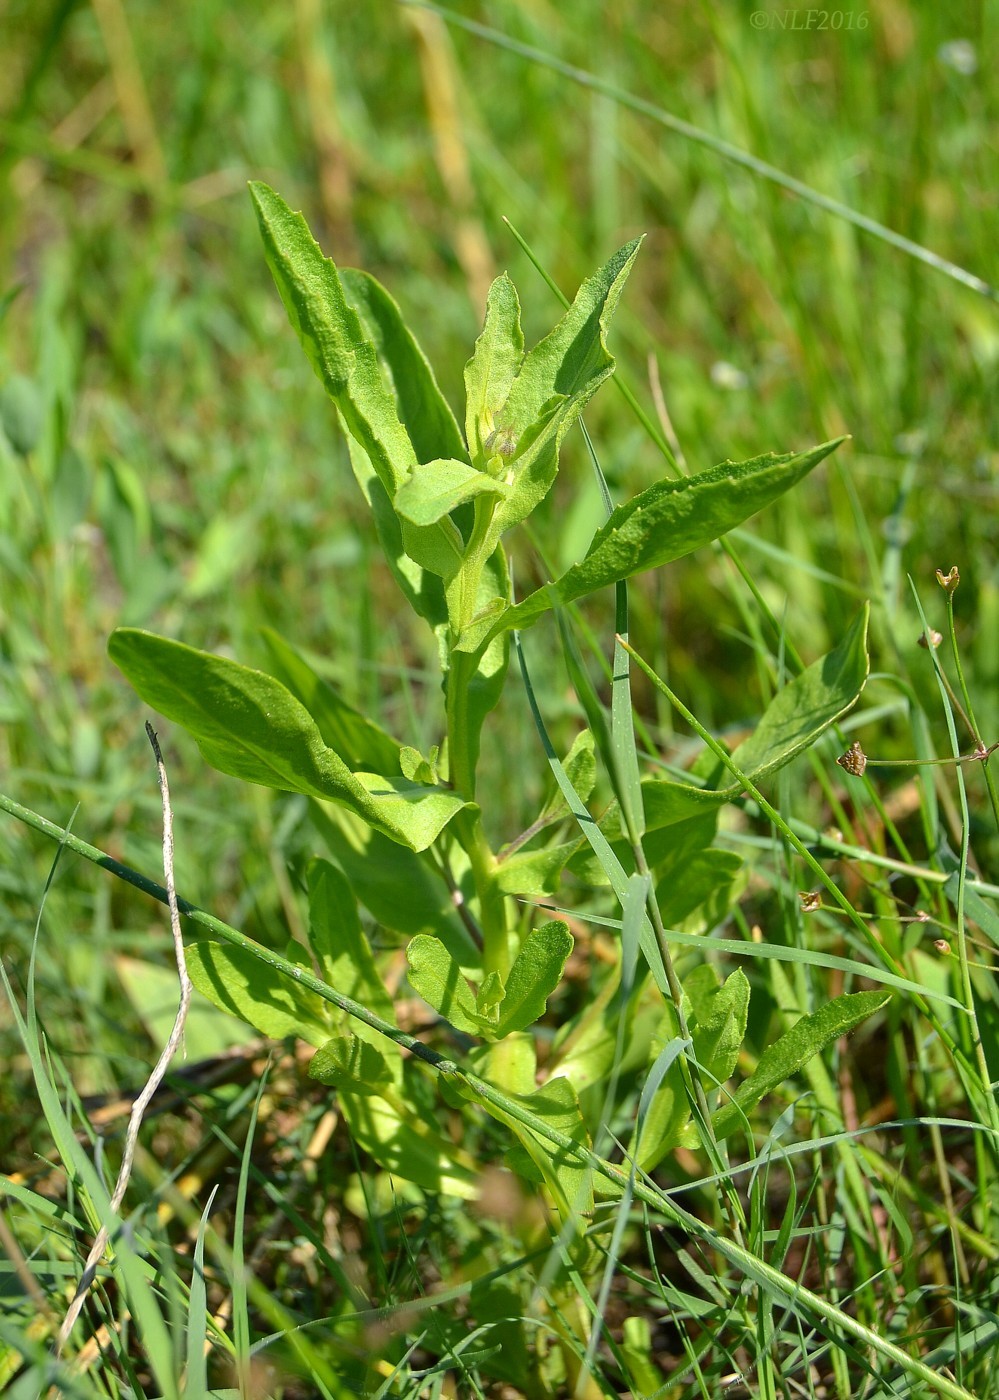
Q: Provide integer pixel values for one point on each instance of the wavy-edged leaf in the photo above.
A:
(553, 384)
(795, 1047)
(670, 519)
(498, 354)
(250, 726)
(536, 972)
(719, 1014)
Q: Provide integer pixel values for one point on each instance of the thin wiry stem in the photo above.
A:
(159, 1069)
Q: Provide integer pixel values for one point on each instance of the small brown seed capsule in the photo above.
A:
(854, 760)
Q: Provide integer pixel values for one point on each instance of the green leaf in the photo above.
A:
(423, 590)
(434, 489)
(421, 406)
(402, 890)
(152, 991)
(22, 413)
(534, 872)
(360, 742)
(250, 726)
(808, 705)
(240, 983)
(498, 354)
(333, 338)
(553, 384)
(342, 952)
(670, 519)
(798, 714)
(556, 1104)
(719, 1013)
(580, 766)
(351, 1064)
(348, 363)
(794, 1048)
(536, 972)
(489, 996)
(706, 874)
(477, 674)
(407, 1147)
(436, 977)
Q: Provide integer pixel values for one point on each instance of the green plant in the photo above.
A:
(404, 829)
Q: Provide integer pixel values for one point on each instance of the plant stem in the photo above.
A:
(468, 823)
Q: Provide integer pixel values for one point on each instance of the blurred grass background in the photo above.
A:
(177, 465)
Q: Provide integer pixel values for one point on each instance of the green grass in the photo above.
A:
(189, 476)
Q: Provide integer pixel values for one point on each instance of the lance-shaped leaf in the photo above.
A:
(351, 368)
(332, 336)
(554, 383)
(490, 372)
(421, 406)
(791, 723)
(795, 1048)
(250, 726)
(670, 519)
(536, 972)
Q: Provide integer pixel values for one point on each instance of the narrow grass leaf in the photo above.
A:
(196, 1376)
(250, 726)
(612, 868)
(798, 714)
(805, 707)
